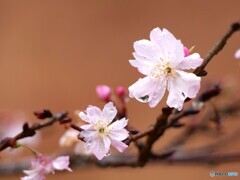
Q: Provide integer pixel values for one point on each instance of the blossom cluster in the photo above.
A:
(163, 60)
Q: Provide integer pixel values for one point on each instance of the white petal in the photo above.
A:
(142, 88)
(148, 50)
(93, 113)
(172, 49)
(175, 97)
(61, 163)
(188, 83)
(109, 112)
(120, 146)
(101, 147)
(89, 135)
(33, 175)
(84, 117)
(119, 124)
(30, 172)
(119, 135)
(191, 62)
(87, 126)
(144, 65)
(158, 94)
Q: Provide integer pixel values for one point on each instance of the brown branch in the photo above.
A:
(217, 48)
(31, 131)
(161, 124)
(132, 161)
(201, 158)
(158, 130)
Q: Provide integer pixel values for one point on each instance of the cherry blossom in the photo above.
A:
(162, 60)
(42, 165)
(101, 131)
(69, 138)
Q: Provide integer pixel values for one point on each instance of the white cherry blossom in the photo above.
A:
(101, 131)
(162, 60)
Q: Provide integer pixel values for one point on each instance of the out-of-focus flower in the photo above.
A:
(11, 124)
(237, 54)
(69, 138)
(101, 132)
(42, 165)
(104, 92)
(162, 61)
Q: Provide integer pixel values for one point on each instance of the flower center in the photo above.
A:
(101, 130)
(161, 70)
(169, 70)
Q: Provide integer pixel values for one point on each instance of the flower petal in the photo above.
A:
(188, 83)
(143, 88)
(119, 124)
(87, 126)
(158, 94)
(191, 62)
(101, 147)
(89, 135)
(171, 48)
(93, 113)
(120, 146)
(175, 97)
(84, 117)
(148, 49)
(109, 112)
(61, 163)
(119, 135)
(144, 65)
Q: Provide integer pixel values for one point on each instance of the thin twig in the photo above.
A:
(30, 131)
(218, 47)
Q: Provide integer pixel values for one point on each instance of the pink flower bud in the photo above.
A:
(103, 92)
(121, 93)
(186, 51)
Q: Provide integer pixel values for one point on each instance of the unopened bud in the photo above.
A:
(121, 93)
(103, 92)
(45, 113)
(186, 51)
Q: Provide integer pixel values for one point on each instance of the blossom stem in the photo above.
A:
(34, 151)
(218, 47)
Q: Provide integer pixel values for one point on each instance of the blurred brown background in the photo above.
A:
(54, 53)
